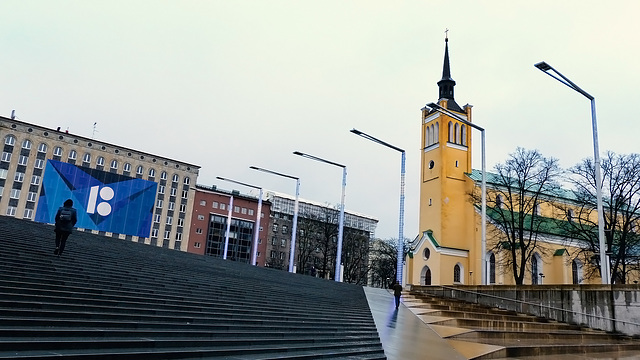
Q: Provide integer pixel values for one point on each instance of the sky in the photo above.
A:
(231, 84)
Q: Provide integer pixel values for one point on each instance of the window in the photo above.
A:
(200, 217)
(9, 140)
(26, 144)
(570, 217)
(159, 204)
(492, 268)
(28, 213)
(251, 212)
(139, 170)
(180, 222)
(426, 254)
(196, 245)
(203, 203)
(185, 194)
(35, 180)
(173, 191)
(39, 164)
(100, 161)
(186, 181)
(42, 148)
(456, 273)
(73, 155)
(175, 178)
(499, 202)
(451, 138)
(152, 173)
(463, 131)
(3, 173)
(126, 167)
(236, 209)
(18, 177)
(244, 211)
(160, 189)
(178, 236)
(214, 204)
(6, 156)
(15, 194)
(156, 218)
(273, 254)
(163, 175)
(154, 233)
(23, 160)
(198, 231)
(275, 227)
(32, 196)
(86, 158)
(167, 234)
(223, 206)
(169, 220)
(172, 205)
(57, 151)
(114, 164)
(1, 190)
(284, 229)
(274, 241)
(283, 242)
(11, 211)
(183, 208)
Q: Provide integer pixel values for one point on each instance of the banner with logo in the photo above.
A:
(104, 201)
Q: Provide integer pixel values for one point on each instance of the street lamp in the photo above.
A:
(604, 262)
(400, 246)
(254, 253)
(294, 228)
(483, 255)
(341, 223)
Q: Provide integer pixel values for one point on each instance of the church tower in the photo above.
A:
(442, 253)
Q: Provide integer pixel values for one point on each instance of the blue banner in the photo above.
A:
(104, 201)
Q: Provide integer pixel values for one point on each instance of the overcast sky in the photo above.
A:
(230, 84)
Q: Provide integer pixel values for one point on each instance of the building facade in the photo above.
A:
(212, 210)
(28, 147)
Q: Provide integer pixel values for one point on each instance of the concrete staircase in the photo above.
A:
(106, 298)
(479, 332)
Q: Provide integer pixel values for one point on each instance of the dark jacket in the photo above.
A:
(66, 226)
(397, 290)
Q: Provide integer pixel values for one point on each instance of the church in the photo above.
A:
(452, 247)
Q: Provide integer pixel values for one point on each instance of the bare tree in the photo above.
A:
(621, 198)
(519, 189)
(355, 256)
(383, 260)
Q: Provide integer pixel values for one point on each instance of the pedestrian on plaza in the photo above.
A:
(66, 219)
(397, 291)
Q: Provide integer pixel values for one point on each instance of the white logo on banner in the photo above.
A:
(103, 207)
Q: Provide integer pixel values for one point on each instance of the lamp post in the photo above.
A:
(294, 227)
(483, 255)
(341, 223)
(604, 262)
(400, 245)
(254, 252)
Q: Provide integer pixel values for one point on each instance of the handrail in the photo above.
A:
(537, 305)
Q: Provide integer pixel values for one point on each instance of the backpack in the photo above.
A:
(66, 214)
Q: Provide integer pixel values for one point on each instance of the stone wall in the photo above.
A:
(613, 308)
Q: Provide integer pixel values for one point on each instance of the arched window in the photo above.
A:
(451, 134)
(9, 140)
(429, 137)
(127, 167)
(100, 161)
(463, 131)
(492, 268)
(436, 132)
(457, 133)
(175, 178)
(86, 158)
(114, 164)
(576, 271)
(73, 155)
(186, 180)
(57, 151)
(499, 201)
(152, 173)
(163, 175)
(42, 148)
(425, 276)
(570, 215)
(139, 170)
(26, 144)
(536, 269)
(456, 274)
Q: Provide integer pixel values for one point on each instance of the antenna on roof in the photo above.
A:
(93, 136)
(13, 114)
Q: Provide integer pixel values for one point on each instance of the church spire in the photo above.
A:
(446, 84)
